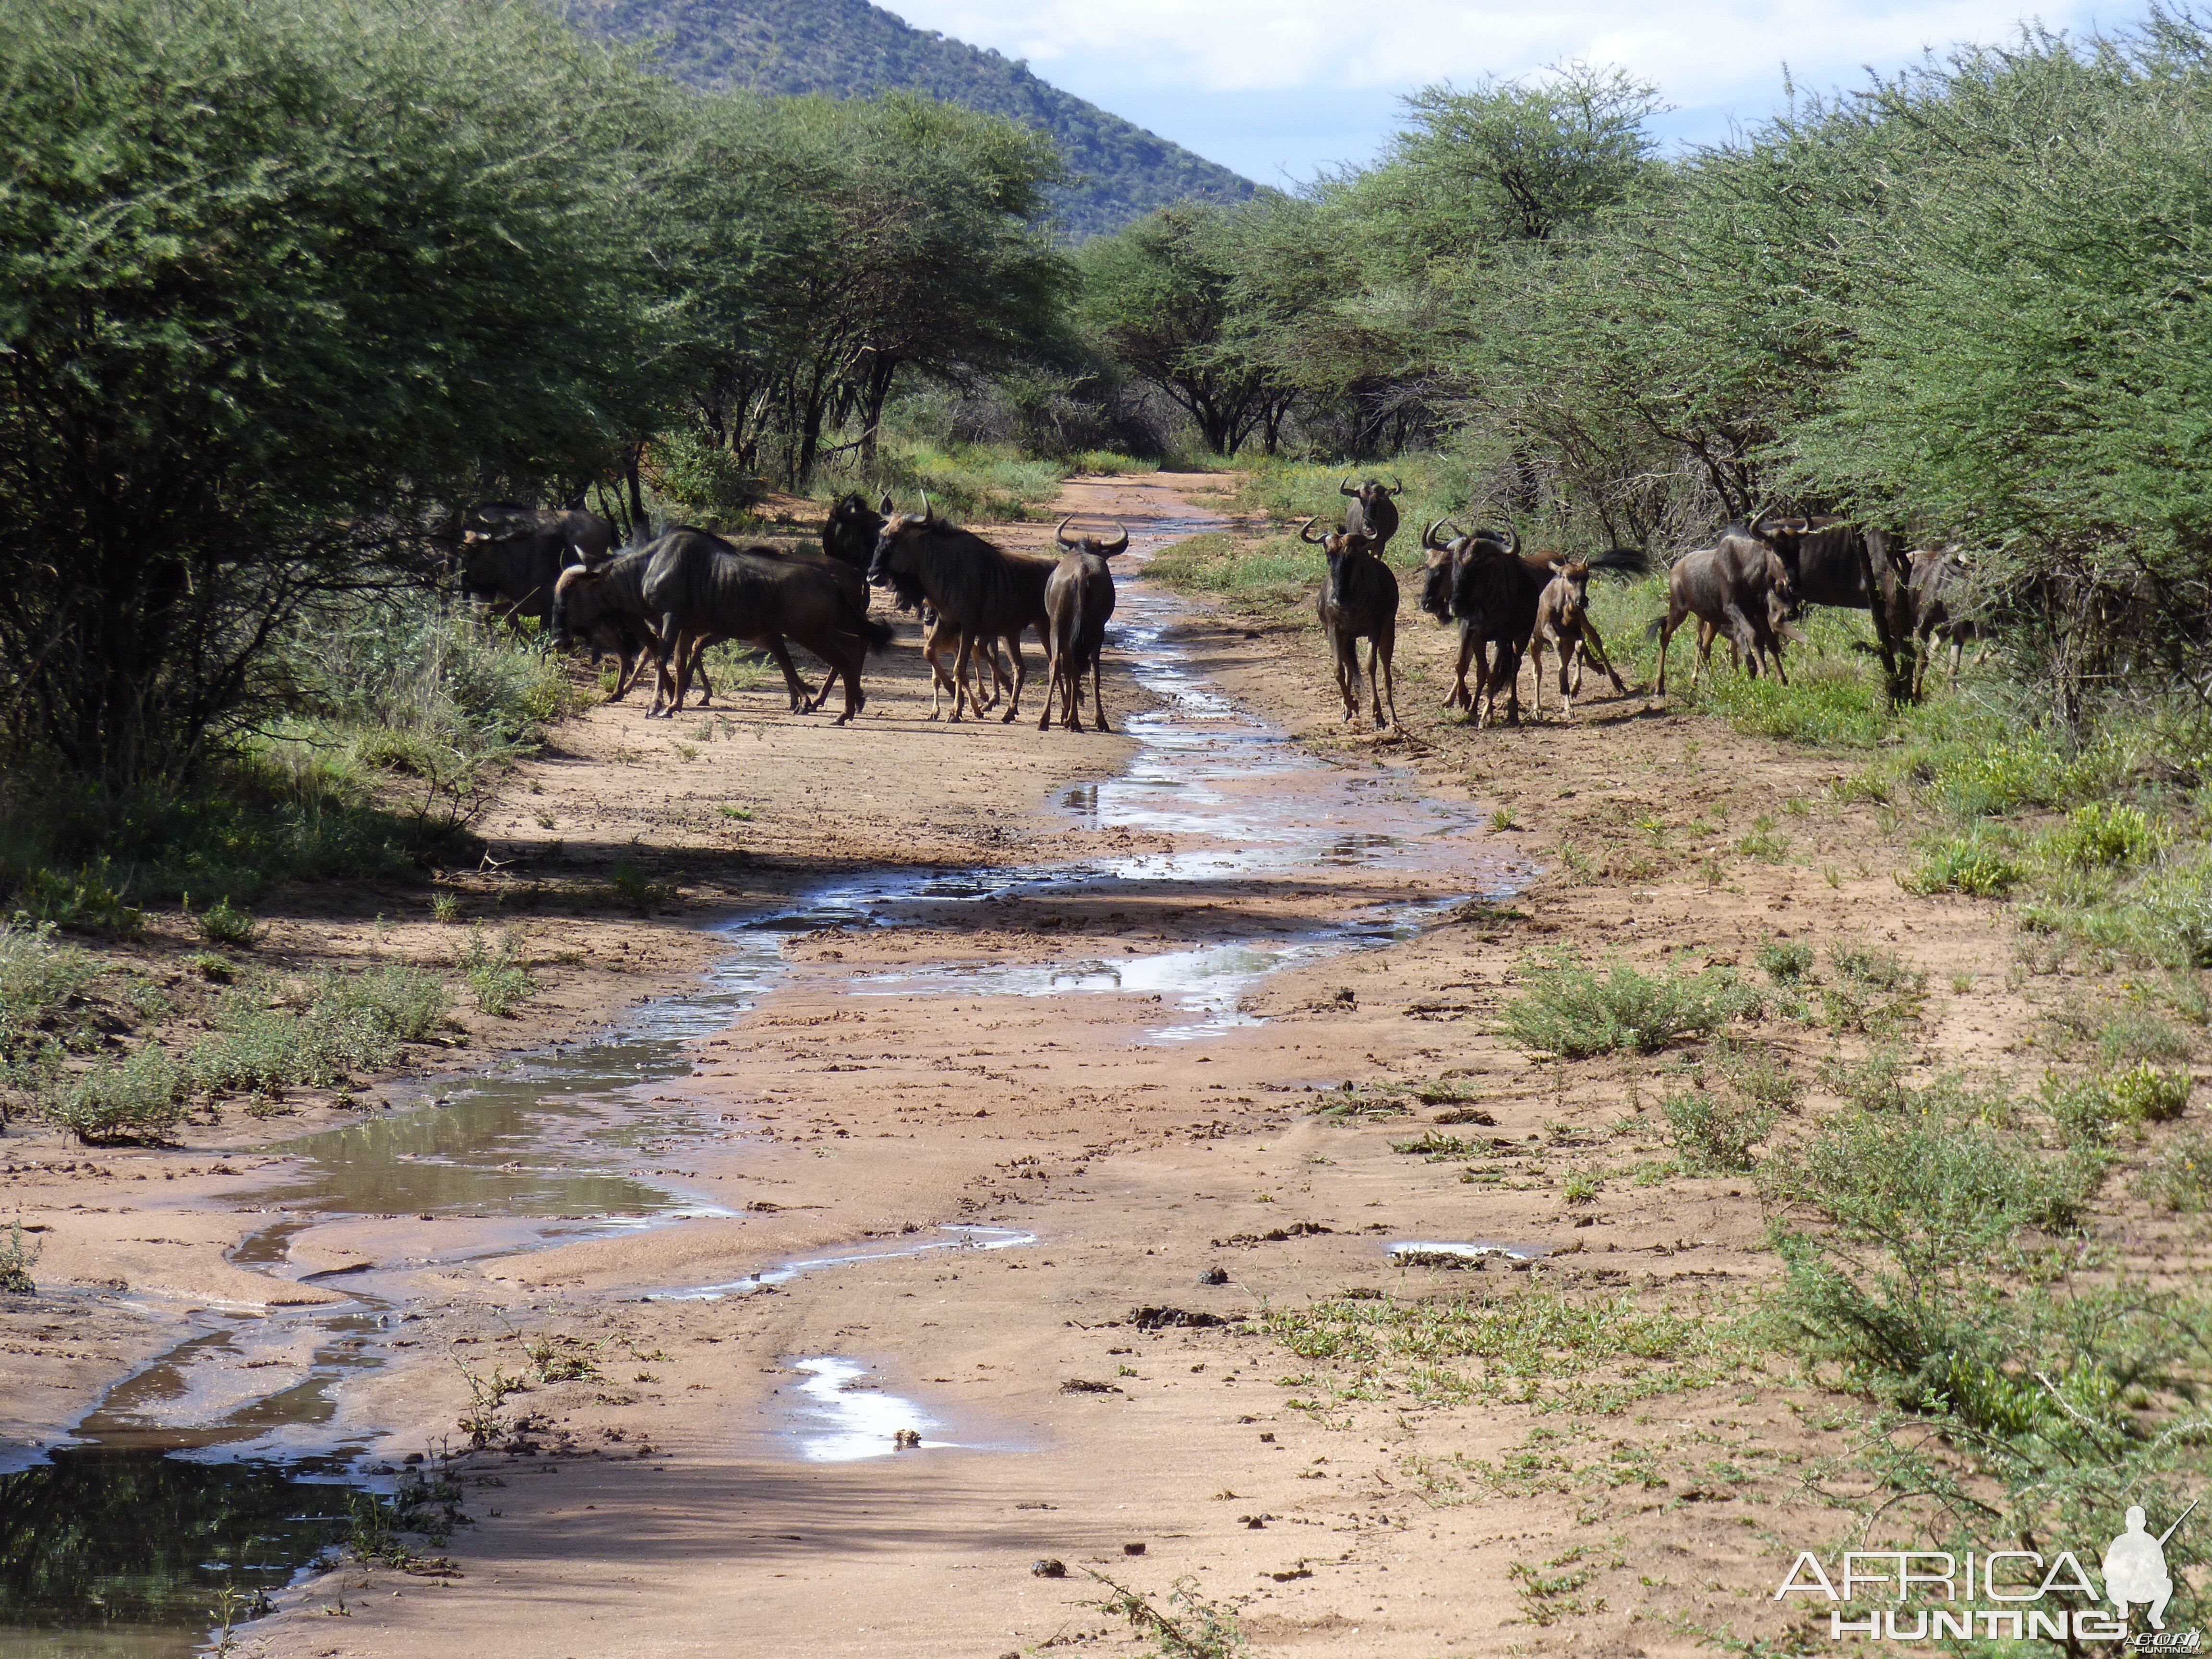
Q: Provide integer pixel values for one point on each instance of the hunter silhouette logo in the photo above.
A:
(2003, 1595)
(2135, 1566)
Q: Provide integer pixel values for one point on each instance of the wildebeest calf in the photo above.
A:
(1564, 623)
(1738, 587)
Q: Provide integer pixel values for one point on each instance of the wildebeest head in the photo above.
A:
(848, 534)
(893, 563)
(1437, 555)
(575, 605)
(1370, 512)
(1340, 548)
(1092, 543)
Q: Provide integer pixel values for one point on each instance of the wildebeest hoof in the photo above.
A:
(1049, 1567)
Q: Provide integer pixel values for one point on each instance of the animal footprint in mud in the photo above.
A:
(1049, 1567)
(906, 1439)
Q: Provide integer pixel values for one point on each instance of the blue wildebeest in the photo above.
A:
(1078, 599)
(1359, 601)
(978, 590)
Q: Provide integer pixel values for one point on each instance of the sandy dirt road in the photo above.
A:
(1067, 1055)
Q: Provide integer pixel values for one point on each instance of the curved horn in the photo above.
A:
(1759, 517)
(1428, 535)
(925, 506)
(1305, 533)
(1346, 489)
(1397, 486)
(1059, 535)
(885, 506)
(1121, 546)
(1452, 524)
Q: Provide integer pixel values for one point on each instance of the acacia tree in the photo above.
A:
(277, 281)
(1160, 298)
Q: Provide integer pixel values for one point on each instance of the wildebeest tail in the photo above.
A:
(1632, 560)
(1655, 628)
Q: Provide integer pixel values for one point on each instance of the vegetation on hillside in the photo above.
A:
(1116, 171)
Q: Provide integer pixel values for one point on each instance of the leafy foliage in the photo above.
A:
(849, 48)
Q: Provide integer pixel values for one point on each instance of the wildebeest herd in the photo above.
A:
(686, 590)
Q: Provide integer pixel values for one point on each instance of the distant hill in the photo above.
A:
(848, 48)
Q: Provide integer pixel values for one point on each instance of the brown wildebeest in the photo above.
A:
(1359, 601)
(1733, 587)
(512, 557)
(1078, 599)
(1937, 585)
(1370, 512)
(702, 588)
(1564, 623)
(850, 534)
(1490, 588)
(605, 606)
(982, 591)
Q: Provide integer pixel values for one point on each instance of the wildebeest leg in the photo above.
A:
(1055, 665)
(668, 667)
(1097, 694)
(1594, 651)
(1021, 670)
(1384, 645)
(962, 663)
(1469, 643)
(1346, 650)
(849, 671)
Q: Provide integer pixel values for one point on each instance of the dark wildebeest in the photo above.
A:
(1370, 512)
(701, 588)
(603, 607)
(982, 591)
(1078, 598)
(850, 534)
(1490, 589)
(1359, 601)
(1564, 623)
(1937, 586)
(512, 555)
(1740, 587)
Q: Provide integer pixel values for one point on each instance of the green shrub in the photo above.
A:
(2102, 835)
(1871, 990)
(318, 1033)
(628, 885)
(1712, 1132)
(216, 971)
(2181, 1178)
(84, 898)
(1568, 1009)
(140, 1099)
(1977, 864)
(223, 923)
(1786, 962)
(17, 1262)
(42, 981)
(500, 981)
(2089, 1108)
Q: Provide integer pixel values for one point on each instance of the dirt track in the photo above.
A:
(668, 1506)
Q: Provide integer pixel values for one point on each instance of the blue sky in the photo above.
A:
(1278, 89)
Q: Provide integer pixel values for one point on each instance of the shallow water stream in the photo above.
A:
(222, 1454)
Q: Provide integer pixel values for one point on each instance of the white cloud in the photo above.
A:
(1337, 65)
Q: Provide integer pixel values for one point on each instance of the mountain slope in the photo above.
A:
(848, 47)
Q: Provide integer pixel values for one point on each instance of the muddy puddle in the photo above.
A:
(223, 1453)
